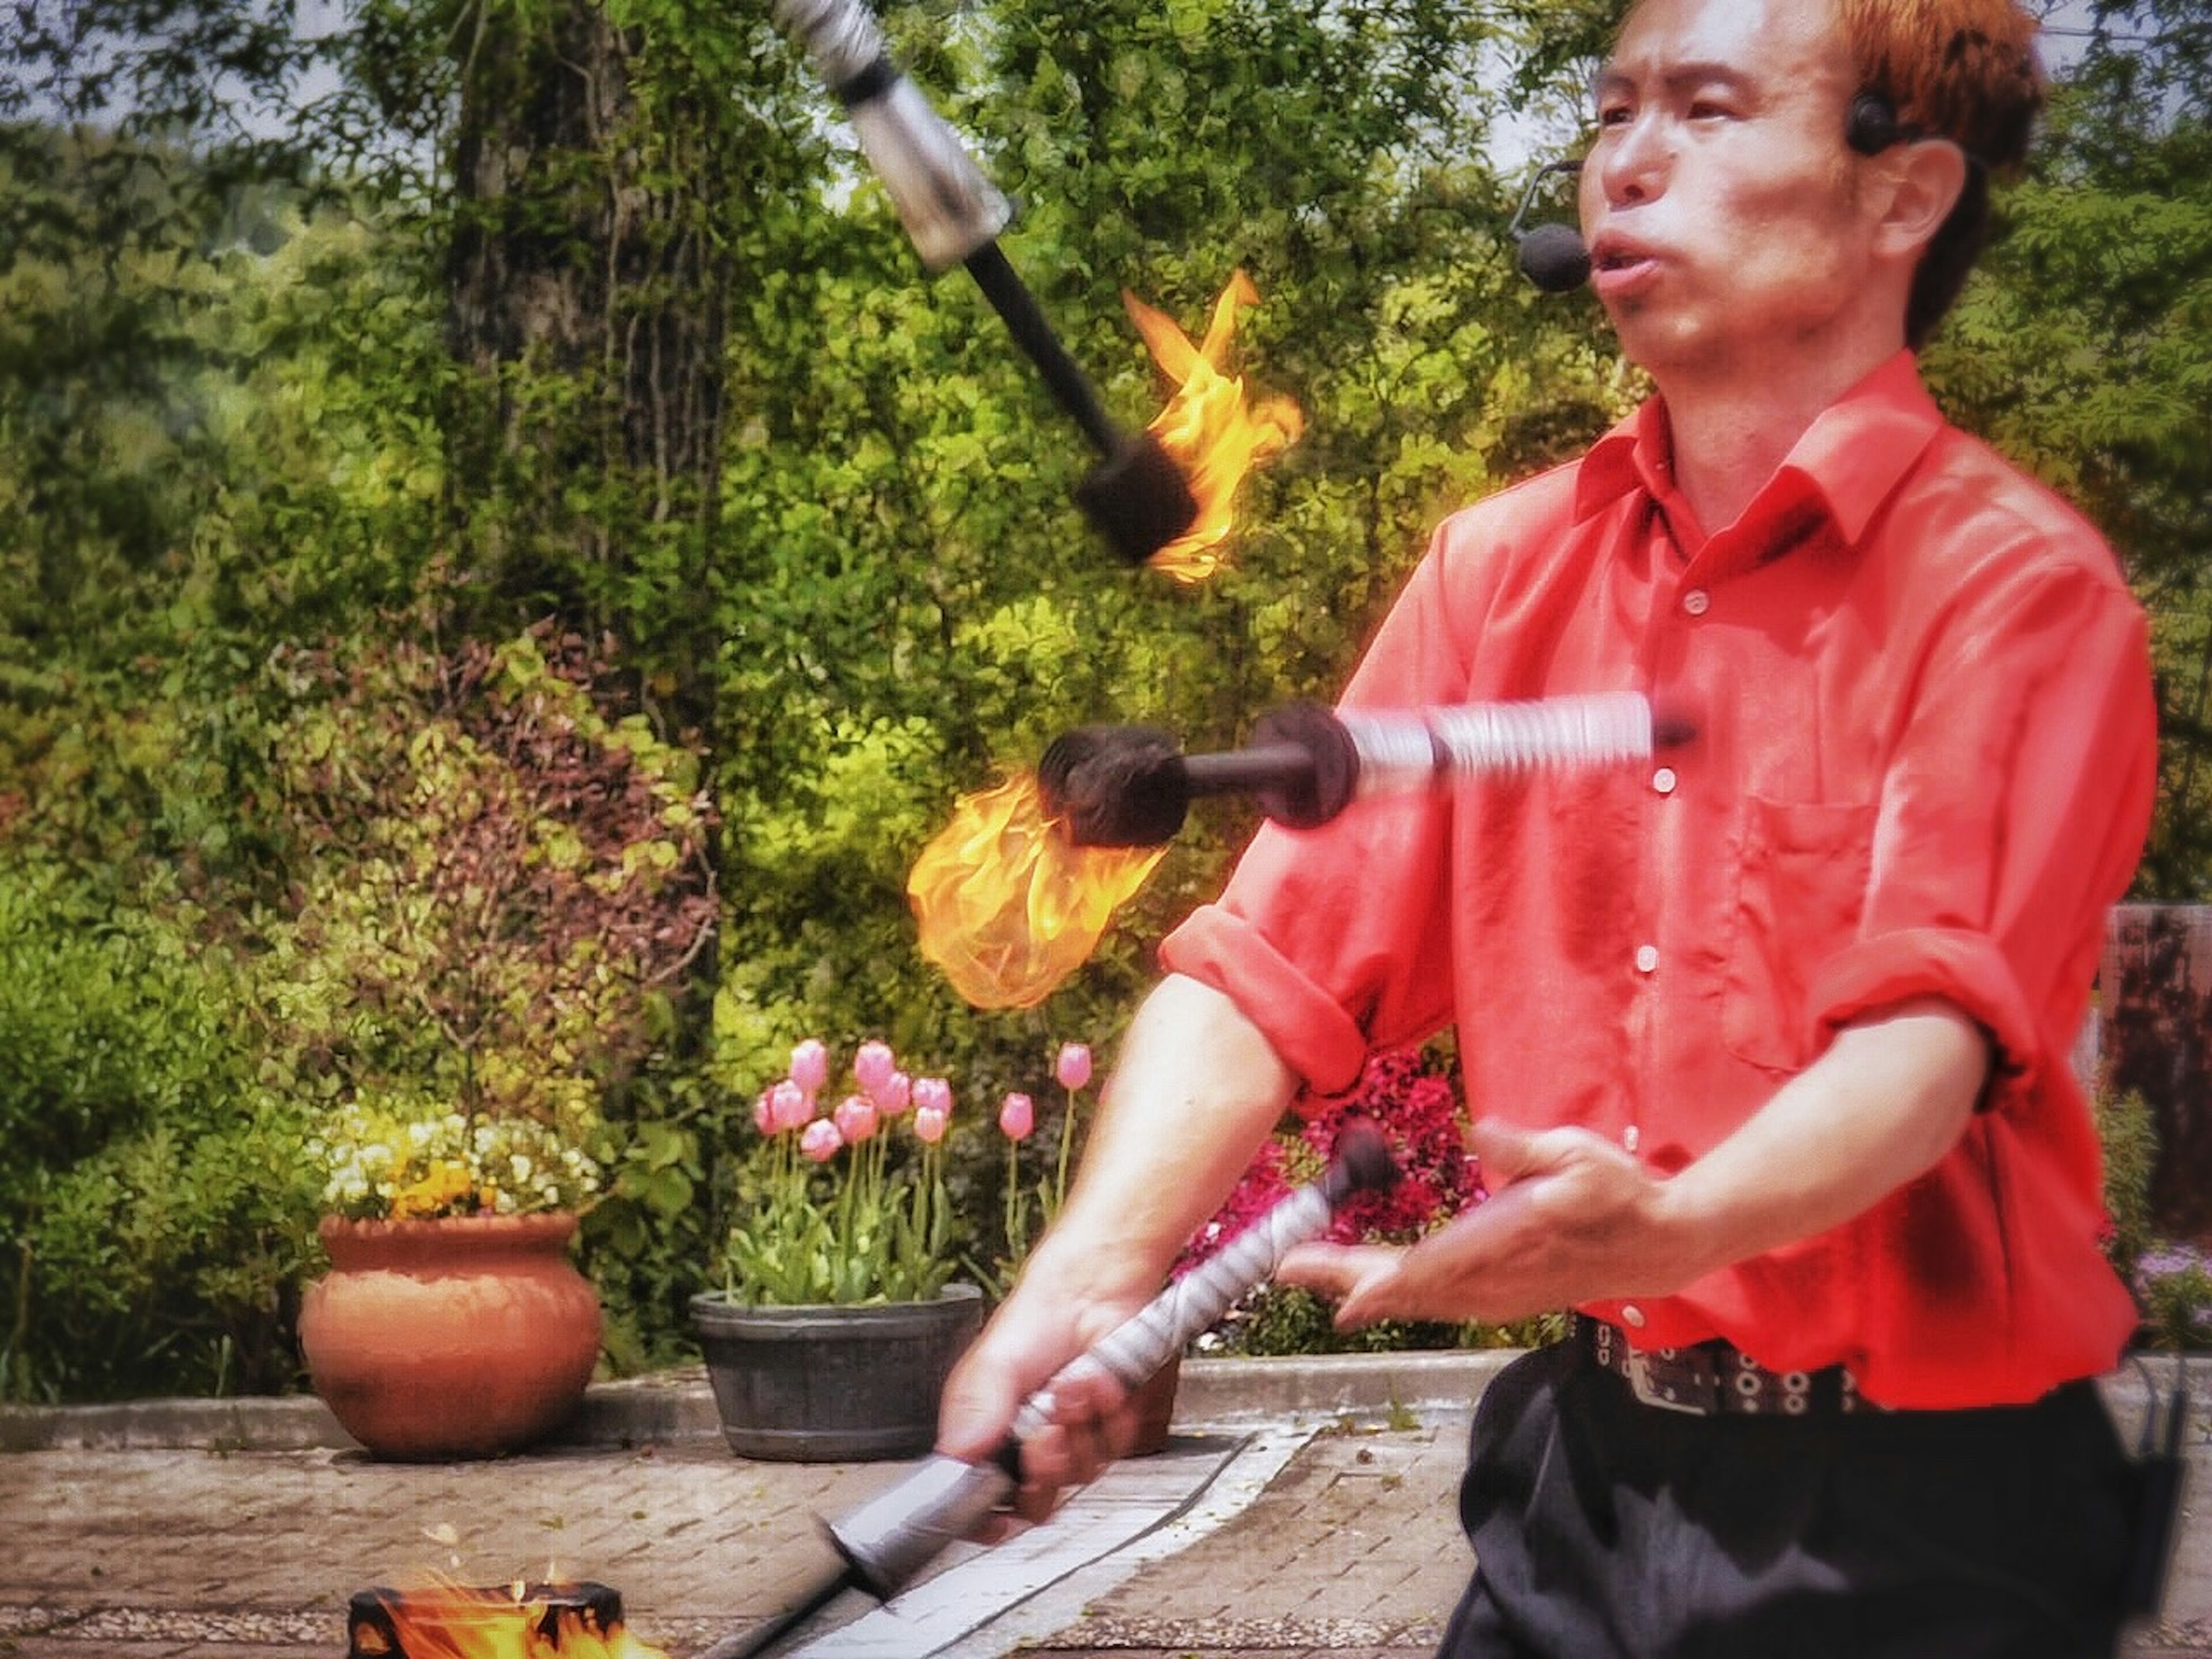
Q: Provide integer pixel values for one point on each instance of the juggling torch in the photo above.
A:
(1129, 786)
(1136, 494)
(887, 1542)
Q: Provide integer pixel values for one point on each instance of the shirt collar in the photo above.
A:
(1852, 457)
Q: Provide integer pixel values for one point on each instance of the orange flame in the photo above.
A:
(1207, 429)
(1009, 906)
(453, 1622)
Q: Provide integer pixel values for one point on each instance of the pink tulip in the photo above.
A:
(855, 1118)
(933, 1094)
(821, 1140)
(1072, 1068)
(765, 1113)
(930, 1123)
(789, 1106)
(897, 1094)
(873, 1065)
(1016, 1117)
(809, 1065)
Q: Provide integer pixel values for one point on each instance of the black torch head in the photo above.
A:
(1138, 498)
(1116, 785)
(1362, 1163)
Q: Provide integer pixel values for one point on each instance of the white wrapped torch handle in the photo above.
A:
(888, 1541)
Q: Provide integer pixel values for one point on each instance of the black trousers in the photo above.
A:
(1604, 1527)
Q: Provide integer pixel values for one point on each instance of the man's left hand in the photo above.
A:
(1571, 1219)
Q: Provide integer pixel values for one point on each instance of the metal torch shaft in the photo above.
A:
(950, 210)
(948, 207)
(1025, 318)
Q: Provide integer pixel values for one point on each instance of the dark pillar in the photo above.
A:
(2156, 1039)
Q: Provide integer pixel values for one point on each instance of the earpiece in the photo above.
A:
(1873, 127)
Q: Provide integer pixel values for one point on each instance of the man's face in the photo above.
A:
(1718, 199)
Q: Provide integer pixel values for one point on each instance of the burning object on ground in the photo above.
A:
(1145, 494)
(518, 1621)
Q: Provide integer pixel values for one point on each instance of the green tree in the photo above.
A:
(2084, 349)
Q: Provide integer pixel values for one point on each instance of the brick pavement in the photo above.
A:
(1304, 1535)
(106, 1548)
(1353, 1549)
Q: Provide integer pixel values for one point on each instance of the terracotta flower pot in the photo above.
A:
(465, 1336)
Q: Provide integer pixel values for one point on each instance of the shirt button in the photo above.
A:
(1632, 1316)
(1664, 780)
(1647, 958)
(1631, 1137)
(1697, 602)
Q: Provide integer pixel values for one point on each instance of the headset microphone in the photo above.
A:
(1552, 255)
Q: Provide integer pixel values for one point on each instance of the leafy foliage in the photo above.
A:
(155, 1208)
(492, 874)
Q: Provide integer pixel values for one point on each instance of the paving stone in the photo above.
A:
(1345, 1543)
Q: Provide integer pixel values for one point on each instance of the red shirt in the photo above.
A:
(1924, 765)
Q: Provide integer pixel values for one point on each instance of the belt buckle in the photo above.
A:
(1640, 1383)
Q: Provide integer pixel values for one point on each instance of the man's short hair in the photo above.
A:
(1962, 69)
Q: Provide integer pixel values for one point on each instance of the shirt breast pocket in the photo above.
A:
(1801, 885)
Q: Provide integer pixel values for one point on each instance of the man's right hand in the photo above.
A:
(1196, 1090)
(1048, 1321)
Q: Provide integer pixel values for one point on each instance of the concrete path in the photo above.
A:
(1303, 1508)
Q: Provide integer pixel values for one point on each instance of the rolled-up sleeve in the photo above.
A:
(1335, 940)
(2012, 816)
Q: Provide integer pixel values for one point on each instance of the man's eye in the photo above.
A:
(1706, 109)
(1613, 115)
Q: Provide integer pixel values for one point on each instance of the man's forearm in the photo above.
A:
(1195, 1091)
(1885, 1101)
(1576, 1220)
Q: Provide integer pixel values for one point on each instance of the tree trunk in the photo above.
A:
(588, 304)
(589, 294)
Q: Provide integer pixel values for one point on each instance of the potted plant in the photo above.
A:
(491, 876)
(840, 1313)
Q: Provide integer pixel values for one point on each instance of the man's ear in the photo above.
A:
(1924, 179)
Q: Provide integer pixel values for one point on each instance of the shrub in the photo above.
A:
(154, 1201)
(494, 874)
(2173, 1288)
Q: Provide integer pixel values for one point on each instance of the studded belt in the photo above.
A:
(1711, 1378)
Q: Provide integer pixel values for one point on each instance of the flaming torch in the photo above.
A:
(1136, 496)
(1014, 894)
(1129, 786)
